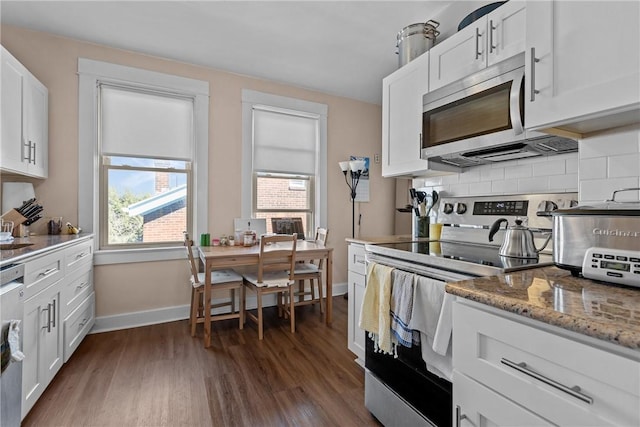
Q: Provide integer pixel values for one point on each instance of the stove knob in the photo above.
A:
(448, 208)
(461, 208)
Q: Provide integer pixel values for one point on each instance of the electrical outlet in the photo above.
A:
(376, 158)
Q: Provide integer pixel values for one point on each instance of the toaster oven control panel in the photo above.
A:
(612, 265)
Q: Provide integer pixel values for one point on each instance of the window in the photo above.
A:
(284, 172)
(144, 133)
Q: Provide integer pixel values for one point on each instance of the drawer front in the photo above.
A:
(538, 369)
(78, 324)
(79, 255)
(76, 288)
(356, 259)
(42, 272)
(475, 405)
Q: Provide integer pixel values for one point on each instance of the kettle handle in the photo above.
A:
(495, 227)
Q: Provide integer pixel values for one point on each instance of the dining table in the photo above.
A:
(221, 257)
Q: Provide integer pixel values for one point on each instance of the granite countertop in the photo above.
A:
(41, 243)
(554, 296)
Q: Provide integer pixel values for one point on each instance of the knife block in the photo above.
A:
(15, 217)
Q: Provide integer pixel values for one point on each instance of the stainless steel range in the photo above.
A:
(402, 390)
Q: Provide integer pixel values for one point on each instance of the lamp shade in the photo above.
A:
(344, 166)
(357, 165)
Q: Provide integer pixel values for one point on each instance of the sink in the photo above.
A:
(11, 246)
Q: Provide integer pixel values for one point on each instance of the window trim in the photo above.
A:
(90, 74)
(251, 99)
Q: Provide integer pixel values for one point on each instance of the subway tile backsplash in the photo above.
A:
(605, 162)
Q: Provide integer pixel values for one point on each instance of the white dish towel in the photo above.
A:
(375, 316)
(432, 317)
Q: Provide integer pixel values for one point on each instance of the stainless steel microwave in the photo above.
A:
(480, 119)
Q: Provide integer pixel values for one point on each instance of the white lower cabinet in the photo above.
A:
(58, 313)
(546, 374)
(42, 344)
(356, 278)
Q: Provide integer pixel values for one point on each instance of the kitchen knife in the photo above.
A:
(32, 220)
(32, 210)
(25, 205)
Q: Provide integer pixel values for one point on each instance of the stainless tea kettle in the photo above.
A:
(518, 241)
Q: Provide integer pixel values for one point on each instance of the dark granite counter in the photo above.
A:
(41, 244)
(554, 296)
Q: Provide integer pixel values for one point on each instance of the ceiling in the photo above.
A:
(341, 48)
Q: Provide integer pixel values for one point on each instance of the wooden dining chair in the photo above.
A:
(274, 276)
(311, 271)
(222, 280)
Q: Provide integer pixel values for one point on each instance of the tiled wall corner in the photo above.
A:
(610, 161)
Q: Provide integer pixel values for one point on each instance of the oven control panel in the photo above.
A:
(612, 265)
(507, 207)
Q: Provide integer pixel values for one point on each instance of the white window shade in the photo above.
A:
(284, 143)
(137, 123)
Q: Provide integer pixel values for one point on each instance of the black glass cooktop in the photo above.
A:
(459, 254)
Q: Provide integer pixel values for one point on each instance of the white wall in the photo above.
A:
(605, 162)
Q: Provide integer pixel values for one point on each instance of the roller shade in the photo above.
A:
(284, 142)
(136, 123)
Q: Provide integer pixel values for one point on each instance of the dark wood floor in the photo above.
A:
(160, 376)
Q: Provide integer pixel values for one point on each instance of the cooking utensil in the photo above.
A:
(414, 40)
(434, 201)
(518, 242)
(407, 208)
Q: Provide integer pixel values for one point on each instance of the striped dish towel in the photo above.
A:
(402, 308)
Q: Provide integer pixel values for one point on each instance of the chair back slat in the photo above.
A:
(188, 243)
(322, 235)
(277, 253)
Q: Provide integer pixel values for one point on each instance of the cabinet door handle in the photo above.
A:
(47, 272)
(478, 53)
(459, 416)
(574, 391)
(420, 147)
(53, 316)
(48, 310)
(33, 159)
(533, 74)
(491, 28)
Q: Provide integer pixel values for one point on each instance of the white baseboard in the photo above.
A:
(172, 314)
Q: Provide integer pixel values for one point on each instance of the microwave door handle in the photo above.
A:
(514, 103)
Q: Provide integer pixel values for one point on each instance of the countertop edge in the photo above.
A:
(25, 253)
(588, 326)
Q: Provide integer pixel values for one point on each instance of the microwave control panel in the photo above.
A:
(612, 265)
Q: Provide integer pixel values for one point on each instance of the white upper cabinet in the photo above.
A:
(488, 40)
(24, 120)
(402, 93)
(582, 64)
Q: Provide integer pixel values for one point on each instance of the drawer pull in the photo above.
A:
(573, 391)
(82, 285)
(81, 255)
(84, 322)
(360, 261)
(47, 272)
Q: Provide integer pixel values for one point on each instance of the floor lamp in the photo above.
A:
(354, 168)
